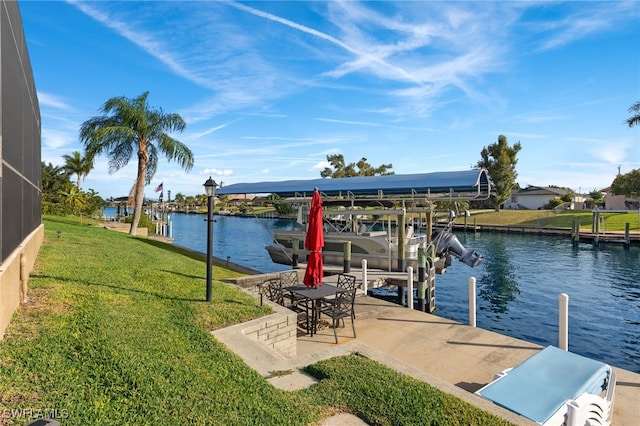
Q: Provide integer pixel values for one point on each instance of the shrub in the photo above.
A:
(145, 222)
(56, 209)
(553, 203)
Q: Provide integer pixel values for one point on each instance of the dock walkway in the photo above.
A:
(604, 237)
(454, 357)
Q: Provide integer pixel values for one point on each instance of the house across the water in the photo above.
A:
(536, 197)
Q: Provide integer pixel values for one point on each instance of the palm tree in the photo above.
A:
(75, 199)
(179, 200)
(190, 201)
(634, 120)
(78, 165)
(201, 199)
(130, 127)
(54, 179)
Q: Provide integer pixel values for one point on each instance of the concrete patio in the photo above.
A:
(454, 357)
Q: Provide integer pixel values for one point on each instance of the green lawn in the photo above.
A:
(549, 219)
(116, 332)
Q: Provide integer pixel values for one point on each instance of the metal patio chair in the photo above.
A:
(347, 282)
(289, 279)
(272, 290)
(341, 307)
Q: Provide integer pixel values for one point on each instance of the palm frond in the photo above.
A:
(635, 119)
(152, 163)
(175, 150)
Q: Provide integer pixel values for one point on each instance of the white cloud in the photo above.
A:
(217, 172)
(520, 135)
(586, 21)
(55, 139)
(52, 101)
(319, 166)
(354, 123)
(611, 152)
(145, 41)
(391, 70)
(209, 131)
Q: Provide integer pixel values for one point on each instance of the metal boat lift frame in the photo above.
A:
(473, 184)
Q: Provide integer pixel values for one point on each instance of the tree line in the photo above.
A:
(60, 196)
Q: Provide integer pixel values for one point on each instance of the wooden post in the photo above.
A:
(429, 231)
(401, 293)
(294, 253)
(627, 240)
(596, 231)
(346, 263)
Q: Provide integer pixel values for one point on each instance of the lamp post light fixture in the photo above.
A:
(210, 187)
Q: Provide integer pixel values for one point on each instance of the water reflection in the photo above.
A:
(499, 285)
(282, 223)
(622, 274)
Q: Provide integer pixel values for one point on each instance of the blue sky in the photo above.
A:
(269, 89)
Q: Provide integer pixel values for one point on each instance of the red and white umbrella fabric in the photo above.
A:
(314, 242)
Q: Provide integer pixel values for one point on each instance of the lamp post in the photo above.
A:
(210, 187)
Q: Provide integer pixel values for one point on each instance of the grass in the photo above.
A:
(116, 332)
(382, 396)
(610, 221)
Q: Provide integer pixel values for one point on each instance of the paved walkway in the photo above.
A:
(456, 358)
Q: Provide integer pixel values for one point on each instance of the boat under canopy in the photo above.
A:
(348, 200)
(459, 185)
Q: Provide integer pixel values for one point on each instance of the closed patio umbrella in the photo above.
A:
(314, 242)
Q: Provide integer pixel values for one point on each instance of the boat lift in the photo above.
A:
(416, 193)
(465, 185)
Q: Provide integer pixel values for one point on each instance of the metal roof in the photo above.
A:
(469, 184)
(539, 190)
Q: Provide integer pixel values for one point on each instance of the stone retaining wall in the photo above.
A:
(277, 331)
(251, 281)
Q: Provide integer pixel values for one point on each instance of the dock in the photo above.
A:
(624, 238)
(454, 357)
(607, 238)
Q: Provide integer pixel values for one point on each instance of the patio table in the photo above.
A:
(313, 295)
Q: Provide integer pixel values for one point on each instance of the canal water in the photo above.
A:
(520, 281)
(517, 285)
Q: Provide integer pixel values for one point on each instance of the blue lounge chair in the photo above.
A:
(556, 387)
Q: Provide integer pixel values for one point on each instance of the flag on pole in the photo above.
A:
(159, 187)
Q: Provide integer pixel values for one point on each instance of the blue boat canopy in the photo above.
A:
(467, 184)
